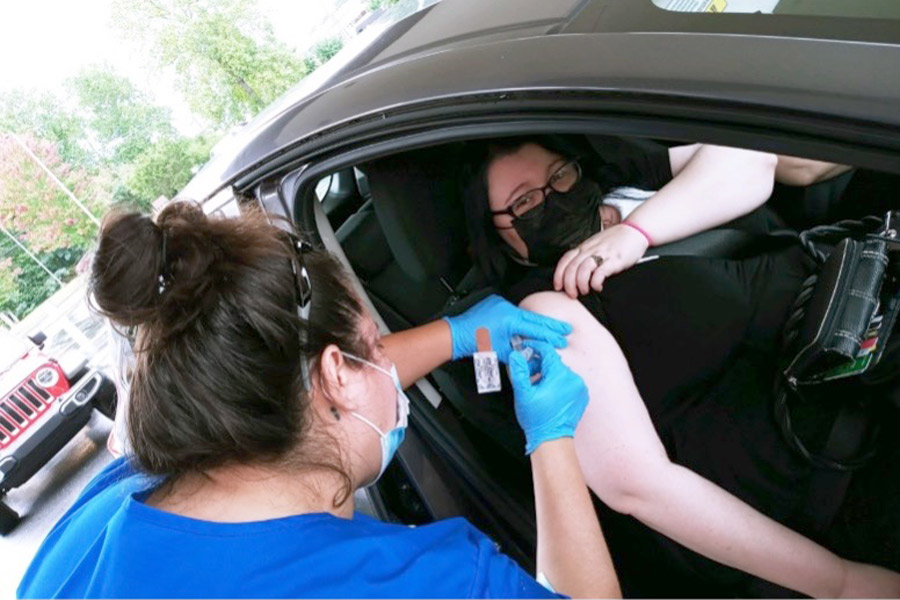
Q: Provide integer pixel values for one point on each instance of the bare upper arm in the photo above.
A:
(615, 440)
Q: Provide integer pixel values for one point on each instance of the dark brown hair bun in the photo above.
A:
(165, 274)
(217, 375)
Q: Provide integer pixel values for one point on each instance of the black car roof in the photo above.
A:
(840, 66)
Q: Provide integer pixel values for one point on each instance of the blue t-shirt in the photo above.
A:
(111, 544)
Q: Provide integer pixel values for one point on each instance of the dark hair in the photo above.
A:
(489, 249)
(217, 378)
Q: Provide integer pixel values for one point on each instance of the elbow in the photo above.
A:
(624, 501)
(768, 162)
(803, 176)
(629, 489)
(760, 180)
(765, 164)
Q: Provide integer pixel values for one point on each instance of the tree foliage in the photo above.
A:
(43, 219)
(377, 4)
(8, 273)
(322, 52)
(225, 58)
(101, 119)
(24, 285)
(165, 168)
(31, 203)
(120, 121)
(48, 117)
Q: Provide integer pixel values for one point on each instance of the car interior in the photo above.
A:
(400, 222)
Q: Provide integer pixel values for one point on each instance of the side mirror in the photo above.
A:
(38, 339)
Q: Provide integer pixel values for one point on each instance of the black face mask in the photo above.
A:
(566, 220)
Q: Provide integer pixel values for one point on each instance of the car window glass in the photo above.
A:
(322, 187)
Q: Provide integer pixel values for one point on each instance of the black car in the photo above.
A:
(368, 158)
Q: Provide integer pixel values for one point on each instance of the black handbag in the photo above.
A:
(838, 337)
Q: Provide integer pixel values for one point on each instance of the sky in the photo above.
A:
(46, 41)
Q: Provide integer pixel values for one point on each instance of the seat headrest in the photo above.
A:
(418, 202)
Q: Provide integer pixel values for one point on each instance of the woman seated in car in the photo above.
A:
(678, 354)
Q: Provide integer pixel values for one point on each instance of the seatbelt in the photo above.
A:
(725, 243)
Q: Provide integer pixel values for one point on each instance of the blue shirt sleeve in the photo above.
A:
(499, 576)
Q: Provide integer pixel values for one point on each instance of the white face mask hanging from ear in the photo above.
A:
(391, 440)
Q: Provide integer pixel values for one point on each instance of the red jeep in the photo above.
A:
(42, 406)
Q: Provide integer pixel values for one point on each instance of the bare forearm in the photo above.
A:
(571, 551)
(795, 171)
(716, 185)
(419, 350)
(698, 514)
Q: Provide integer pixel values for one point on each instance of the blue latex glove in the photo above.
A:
(552, 407)
(504, 320)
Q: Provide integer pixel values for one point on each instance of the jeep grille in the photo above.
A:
(20, 409)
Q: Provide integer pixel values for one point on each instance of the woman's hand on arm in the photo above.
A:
(586, 267)
(711, 186)
(418, 351)
(571, 552)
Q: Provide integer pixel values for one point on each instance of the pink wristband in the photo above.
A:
(640, 230)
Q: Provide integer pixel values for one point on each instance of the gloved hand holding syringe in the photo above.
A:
(532, 357)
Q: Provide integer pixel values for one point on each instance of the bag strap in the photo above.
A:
(815, 238)
(850, 444)
(827, 487)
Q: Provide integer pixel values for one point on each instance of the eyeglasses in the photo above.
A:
(304, 294)
(562, 180)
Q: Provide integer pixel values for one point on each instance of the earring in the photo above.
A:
(337, 415)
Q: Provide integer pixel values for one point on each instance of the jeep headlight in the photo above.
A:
(46, 377)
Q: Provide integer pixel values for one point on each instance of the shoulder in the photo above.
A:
(636, 162)
(68, 545)
(529, 280)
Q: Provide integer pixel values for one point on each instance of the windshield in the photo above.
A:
(11, 350)
(874, 9)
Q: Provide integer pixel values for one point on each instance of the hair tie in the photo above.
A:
(163, 273)
(640, 230)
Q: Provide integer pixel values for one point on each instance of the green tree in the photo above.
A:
(322, 52)
(8, 273)
(24, 285)
(120, 121)
(101, 119)
(225, 58)
(49, 117)
(165, 168)
(106, 141)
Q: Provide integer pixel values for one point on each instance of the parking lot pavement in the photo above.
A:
(45, 497)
